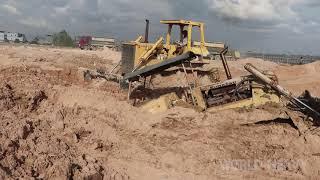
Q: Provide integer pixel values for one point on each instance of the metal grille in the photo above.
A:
(128, 54)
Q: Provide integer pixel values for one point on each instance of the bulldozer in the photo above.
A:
(141, 54)
(141, 59)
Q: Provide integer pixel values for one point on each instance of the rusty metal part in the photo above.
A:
(314, 102)
(115, 67)
(227, 92)
(297, 102)
(225, 63)
(188, 83)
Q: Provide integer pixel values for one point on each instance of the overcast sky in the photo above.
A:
(282, 26)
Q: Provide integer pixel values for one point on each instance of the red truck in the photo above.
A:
(85, 43)
(95, 43)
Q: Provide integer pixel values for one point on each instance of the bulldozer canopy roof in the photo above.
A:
(181, 22)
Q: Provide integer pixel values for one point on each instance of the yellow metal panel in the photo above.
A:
(172, 49)
(140, 49)
(197, 94)
(234, 105)
(144, 58)
(184, 22)
(147, 54)
(161, 104)
(202, 51)
(168, 38)
(202, 36)
(260, 97)
(189, 36)
(138, 39)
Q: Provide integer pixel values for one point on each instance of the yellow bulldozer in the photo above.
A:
(142, 59)
(140, 54)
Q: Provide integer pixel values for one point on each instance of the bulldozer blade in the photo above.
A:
(157, 68)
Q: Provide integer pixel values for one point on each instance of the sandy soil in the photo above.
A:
(55, 125)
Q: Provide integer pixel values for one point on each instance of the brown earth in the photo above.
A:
(55, 125)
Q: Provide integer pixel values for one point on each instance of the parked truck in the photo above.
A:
(94, 43)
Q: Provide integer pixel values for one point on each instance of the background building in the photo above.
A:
(15, 37)
(2, 36)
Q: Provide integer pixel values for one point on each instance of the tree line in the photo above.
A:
(61, 38)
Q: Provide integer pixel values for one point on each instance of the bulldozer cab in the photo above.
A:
(189, 46)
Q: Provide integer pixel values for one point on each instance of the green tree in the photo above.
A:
(62, 39)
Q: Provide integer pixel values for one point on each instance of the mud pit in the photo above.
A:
(56, 125)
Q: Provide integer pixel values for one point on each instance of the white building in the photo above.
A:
(2, 36)
(15, 37)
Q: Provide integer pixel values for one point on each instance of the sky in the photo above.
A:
(270, 26)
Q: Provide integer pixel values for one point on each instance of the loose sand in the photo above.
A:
(53, 124)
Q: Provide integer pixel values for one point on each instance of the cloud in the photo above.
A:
(256, 10)
(87, 16)
(61, 10)
(34, 22)
(11, 9)
(139, 9)
(264, 14)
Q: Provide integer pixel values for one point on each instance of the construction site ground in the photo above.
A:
(56, 125)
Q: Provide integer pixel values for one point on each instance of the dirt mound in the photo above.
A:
(57, 58)
(259, 63)
(298, 78)
(6, 97)
(39, 137)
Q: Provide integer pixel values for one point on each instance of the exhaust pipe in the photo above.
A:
(146, 35)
